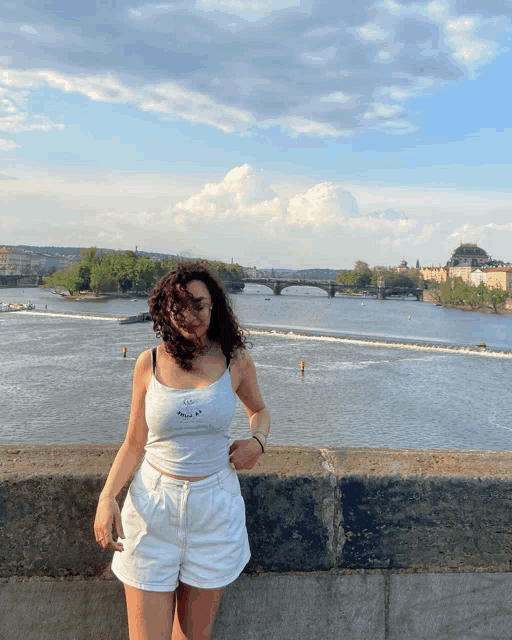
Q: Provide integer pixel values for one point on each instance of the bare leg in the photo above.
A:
(150, 613)
(195, 612)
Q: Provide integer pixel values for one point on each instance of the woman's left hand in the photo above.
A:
(244, 454)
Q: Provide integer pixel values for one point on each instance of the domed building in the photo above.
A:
(465, 259)
(402, 267)
(468, 254)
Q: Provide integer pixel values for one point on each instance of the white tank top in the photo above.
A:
(188, 429)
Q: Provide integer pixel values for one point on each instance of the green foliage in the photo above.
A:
(496, 299)
(363, 276)
(435, 292)
(124, 271)
(346, 277)
(459, 293)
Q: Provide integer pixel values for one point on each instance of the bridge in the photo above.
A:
(20, 281)
(331, 288)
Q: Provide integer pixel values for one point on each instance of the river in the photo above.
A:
(63, 378)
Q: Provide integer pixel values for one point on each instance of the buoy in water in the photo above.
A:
(302, 365)
(408, 317)
(124, 352)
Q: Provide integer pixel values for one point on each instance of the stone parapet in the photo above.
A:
(309, 509)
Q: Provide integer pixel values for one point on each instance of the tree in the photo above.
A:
(124, 271)
(346, 277)
(446, 291)
(496, 299)
(72, 279)
(363, 272)
(460, 291)
(476, 296)
(103, 274)
(435, 293)
(361, 267)
(90, 256)
(144, 273)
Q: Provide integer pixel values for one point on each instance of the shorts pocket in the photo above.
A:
(231, 484)
(142, 484)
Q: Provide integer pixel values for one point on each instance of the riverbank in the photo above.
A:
(427, 297)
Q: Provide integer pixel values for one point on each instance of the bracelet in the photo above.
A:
(258, 440)
(262, 433)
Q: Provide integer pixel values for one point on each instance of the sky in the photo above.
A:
(277, 133)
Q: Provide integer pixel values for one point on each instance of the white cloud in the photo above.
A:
(241, 189)
(28, 29)
(387, 214)
(500, 227)
(167, 99)
(324, 205)
(254, 217)
(382, 111)
(338, 96)
(470, 231)
(7, 145)
(248, 8)
(372, 31)
(14, 117)
(468, 49)
(231, 64)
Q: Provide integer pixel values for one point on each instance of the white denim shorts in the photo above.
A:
(181, 531)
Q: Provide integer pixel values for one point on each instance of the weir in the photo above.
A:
(346, 544)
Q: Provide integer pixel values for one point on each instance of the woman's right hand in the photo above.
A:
(107, 512)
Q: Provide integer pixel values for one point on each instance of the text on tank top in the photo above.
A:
(188, 429)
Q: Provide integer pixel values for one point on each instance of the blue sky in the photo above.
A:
(278, 133)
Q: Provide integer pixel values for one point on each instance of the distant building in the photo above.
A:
(252, 272)
(464, 260)
(500, 278)
(16, 262)
(468, 255)
(461, 272)
(49, 260)
(434, 274)
(477, 277)
(402, 267)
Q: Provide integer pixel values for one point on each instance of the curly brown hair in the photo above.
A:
(170, 297)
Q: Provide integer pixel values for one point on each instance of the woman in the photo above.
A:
(183, 521)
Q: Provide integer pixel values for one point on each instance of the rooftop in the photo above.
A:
(469, 249)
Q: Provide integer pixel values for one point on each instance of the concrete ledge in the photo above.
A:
(308, 509)
(360, 543)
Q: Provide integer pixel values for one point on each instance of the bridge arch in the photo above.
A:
(399, 291)
(288, 285)
(264, 285)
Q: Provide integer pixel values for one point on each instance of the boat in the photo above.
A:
(16, 306)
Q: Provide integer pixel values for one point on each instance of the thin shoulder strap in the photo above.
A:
(153, 359)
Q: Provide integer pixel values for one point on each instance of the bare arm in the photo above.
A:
(126, 460)
(132, 448)
(245, 453)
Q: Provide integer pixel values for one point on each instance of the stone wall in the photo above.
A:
(309, 509)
